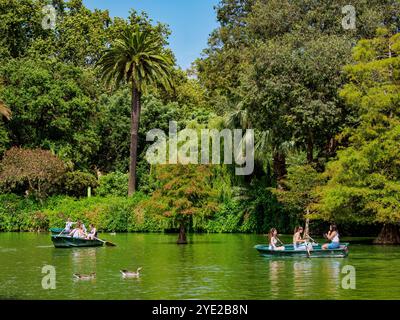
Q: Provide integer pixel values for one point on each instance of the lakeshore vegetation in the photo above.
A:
(77, 100)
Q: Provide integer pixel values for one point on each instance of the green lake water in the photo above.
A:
(222, 266)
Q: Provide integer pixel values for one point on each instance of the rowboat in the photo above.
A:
(315, 252)
(64, 241)
(56, 231)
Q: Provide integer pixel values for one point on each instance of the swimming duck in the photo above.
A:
(131, 274)
(85, 276)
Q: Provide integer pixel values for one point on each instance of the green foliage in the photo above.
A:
(227, 219)
(363, 183)
(53, 107)
(297, 195)
(109, 214)
(113, 184)
(76, 183)
(184, 194)
(4, 139)
(21, 214)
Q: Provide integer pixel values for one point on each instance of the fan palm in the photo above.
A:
(136, 58)
(4, 110)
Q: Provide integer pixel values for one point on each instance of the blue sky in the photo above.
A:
(191, 21)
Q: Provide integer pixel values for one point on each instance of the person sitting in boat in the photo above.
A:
(298, 242)
(273, 240)
(93, 232)
(333, 236)
(78, 232)
(68, 225)
(83, 226)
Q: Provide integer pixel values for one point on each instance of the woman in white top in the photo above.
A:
(93, 232)
(68, 225)
(273, 240)
(333, 236)
(77, 232)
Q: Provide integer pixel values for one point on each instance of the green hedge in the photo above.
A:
(21, 214)
(114, 214)
(109, 214)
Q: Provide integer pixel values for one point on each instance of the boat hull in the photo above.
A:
(69, 242)
(316, 252)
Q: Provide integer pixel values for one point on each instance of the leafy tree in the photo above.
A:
(281, 61)
(136, 58)
(36, 171)
(184, 195)
(298, 196)
(363, 183)
(54, 107)
(20, 26)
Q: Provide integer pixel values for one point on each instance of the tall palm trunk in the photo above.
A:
(135, 118)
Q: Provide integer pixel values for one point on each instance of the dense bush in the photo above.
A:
(227, 220)
(77, 182)
(113, 184)
(21, 214)
(107, 213)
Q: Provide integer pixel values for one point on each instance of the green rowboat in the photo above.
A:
(64, 241)
(316, 252)
(56, 231)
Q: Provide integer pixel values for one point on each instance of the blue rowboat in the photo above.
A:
(316, 252)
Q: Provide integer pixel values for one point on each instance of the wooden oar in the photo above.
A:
(107, 243)
(280, 241)
(61, 232)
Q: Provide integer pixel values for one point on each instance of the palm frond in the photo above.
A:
(5, 111)
(136, 57)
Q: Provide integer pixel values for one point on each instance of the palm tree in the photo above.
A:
(136, 58)
(4, 110)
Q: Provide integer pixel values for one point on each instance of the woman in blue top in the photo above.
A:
(333, 236)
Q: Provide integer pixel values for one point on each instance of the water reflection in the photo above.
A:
(84, 260)
(331, 268)
(275, 269)
(302, 277)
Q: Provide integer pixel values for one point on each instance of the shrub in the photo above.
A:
(227, 220)
(77, 182)
(21, 214)
(113, 184)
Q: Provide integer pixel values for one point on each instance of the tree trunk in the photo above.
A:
(279, 167)
(135, 118)
(182, 234)
(390, 234)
